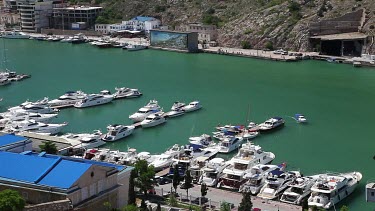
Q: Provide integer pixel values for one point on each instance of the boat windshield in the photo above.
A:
(297, 190)
(254, 181)
(113, 133)
(240, 166)
(211, 175)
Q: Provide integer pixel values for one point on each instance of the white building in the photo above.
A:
(206, 33)
(139, 23)
(102, 28)
(35, 15)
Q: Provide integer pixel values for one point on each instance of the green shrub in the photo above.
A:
(245, 44)
(248, 31)
(269, 45)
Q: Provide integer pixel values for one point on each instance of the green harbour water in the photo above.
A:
(338, 100)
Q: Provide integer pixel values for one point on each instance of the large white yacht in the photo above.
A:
(165, 159)
(39, 106)
(68, 99)
(230, 143)
(248, 156)
(95, 99)
(257, 176)
(195, 105)
(88, 140)
(33, 126)
(19, 115)
(153, 120)
(330, 189)
(151, 108)
(276, 185)
(212, 171)
(298, 190)
(125, 92)
(271, 123)
(15, 35)
(116, 132)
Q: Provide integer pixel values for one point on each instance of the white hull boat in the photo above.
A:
(68, 99)
(153, 120)
(230, 143)
(15, 35)
(193, 106)
(174, 113)
(151, 108)
(94, 100)
(20, 116)
(116, 132)
(127, 93)
(36, 127)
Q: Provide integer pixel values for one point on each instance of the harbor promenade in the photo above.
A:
(217, 196)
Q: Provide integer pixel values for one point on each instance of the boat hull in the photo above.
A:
(91, 104)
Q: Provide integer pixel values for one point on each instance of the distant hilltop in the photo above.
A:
(280, 23)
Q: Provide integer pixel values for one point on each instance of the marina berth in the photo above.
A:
(116, 132)
(330, 189)
(271, 124)
(125, 92)
(67, 99)
(257, 176)
(193, 106)
(276, 185)
(95, 99)
(299, 190)
(248, 156)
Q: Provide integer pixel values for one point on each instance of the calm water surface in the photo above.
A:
(338, 100)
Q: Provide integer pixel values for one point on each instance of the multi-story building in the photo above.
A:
(102, 28)
(44, 178)
(9, 17)
(13, 143)
(67, 17)
(206, 33)
(34, 15)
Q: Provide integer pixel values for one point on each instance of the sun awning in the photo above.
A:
(343, 36)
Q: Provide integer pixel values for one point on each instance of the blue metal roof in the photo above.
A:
(47, 170)
(10, 139)
(65, 174)
(143, 18)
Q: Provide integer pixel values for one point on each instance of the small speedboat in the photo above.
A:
(116, 132)
(151, 108)
(174, 113)
(177, 106)
(195, 105)
(153, 120)
(125, 92)
(300, 118)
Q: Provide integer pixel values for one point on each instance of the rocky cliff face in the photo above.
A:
(284, 23)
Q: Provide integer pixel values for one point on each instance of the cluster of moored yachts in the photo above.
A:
(6, 77)
(249, 170)
(35, 116)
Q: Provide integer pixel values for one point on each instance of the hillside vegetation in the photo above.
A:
(278, 23)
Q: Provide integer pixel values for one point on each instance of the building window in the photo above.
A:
(372, 193)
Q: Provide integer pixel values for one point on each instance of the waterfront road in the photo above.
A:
(218, 195)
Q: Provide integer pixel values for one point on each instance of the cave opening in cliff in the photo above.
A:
(331, 47)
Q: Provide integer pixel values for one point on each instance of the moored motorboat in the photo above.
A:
(68, 99)
(19, 115)
(230, 143)
(95, 99)
(271, 124)
(134, 47)
(193, 106)
(298, 190)
(174, 113)
(151, 108)
(200, 141)
(177, 106)
(125, 92)
(33, 126)
(212, 171)
(153, 120)
(116, 132)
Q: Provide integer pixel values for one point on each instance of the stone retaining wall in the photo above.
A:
(60, 205)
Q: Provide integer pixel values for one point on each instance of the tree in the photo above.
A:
(188, 182)
(204, 189)
(11, 200)
(143, 206)
(172, 201)
(145, 175)
(246, 203)
(225, 206)
(305, 205)
(131, 193)
(176, 178)
(245, 44)
(130, 207)
(344, 208)
(269, 45)
(49, 147)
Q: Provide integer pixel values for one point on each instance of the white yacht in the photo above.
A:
(230, 143)
(330, 189)
(271, 123)
(34, 108)
(165, 159)
(151, 108)
(116, 132)
(15, 35)
(68, 99)
(124, 92)
(95, 99)
(200, 141)
(88, 140)
(300, 118)
(298, 190)
(33, 126)
(174, 113)
(276, 185)
(248, 156)
(4, 81)
(153, 120)
(257, 176)
(134, 47)
(67, 39)
(212, 171)
(195, 105)
(18, 115)
(247, 134)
